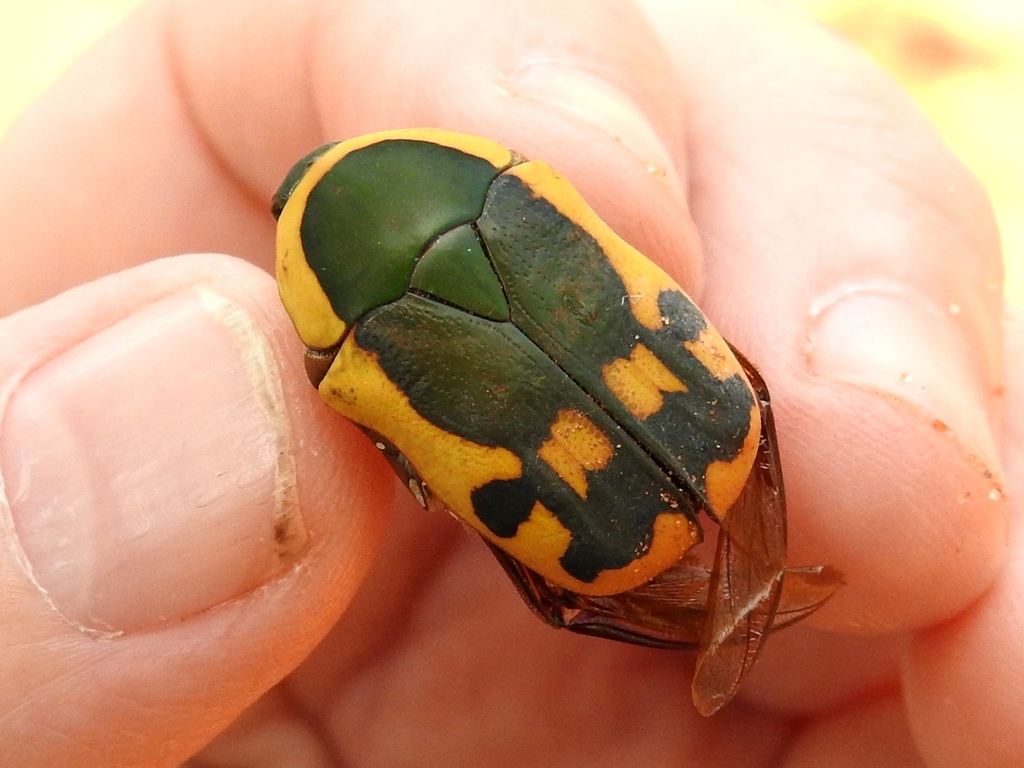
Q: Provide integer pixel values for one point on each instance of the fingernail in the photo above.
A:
(148, 469)
(907, 349)
(600, 104)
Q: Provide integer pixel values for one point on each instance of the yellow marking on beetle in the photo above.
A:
(576, 446)
(724, 480)
(674, 534)
(303, 297)
(543, 538)
(714, 354)
(638, 382)
(644, 280)
(451, 466)
(540, 541)
(308, 306)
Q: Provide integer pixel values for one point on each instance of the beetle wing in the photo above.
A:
(506, 440)
(624, 331)
(746, 581)
(749, 573)
(670, 611)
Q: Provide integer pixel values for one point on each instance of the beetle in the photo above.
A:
(520, 364)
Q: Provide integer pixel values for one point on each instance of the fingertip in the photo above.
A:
(895, 475)
(185, 522)
(915, 523)
(963, 680)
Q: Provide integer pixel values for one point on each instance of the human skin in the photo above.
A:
(201, 562)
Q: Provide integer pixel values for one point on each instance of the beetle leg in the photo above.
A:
(403, 467)
(805, 590)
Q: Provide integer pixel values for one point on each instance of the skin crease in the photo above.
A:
(835, 233)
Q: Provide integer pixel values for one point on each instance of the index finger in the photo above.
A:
(205, 106)
(857, 263)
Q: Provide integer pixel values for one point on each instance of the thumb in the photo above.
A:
(159, 568)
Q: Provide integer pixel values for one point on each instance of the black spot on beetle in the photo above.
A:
(504, 505)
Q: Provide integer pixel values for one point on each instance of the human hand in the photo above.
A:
(185, 521)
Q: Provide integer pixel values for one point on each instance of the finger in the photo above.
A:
(856, 262)
(963, 681)
(162, 565)
(480, 680)
(804, 671)
(172, 135)
(874, 734)
(107, 171)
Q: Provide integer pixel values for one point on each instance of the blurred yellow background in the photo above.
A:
(962, 60)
